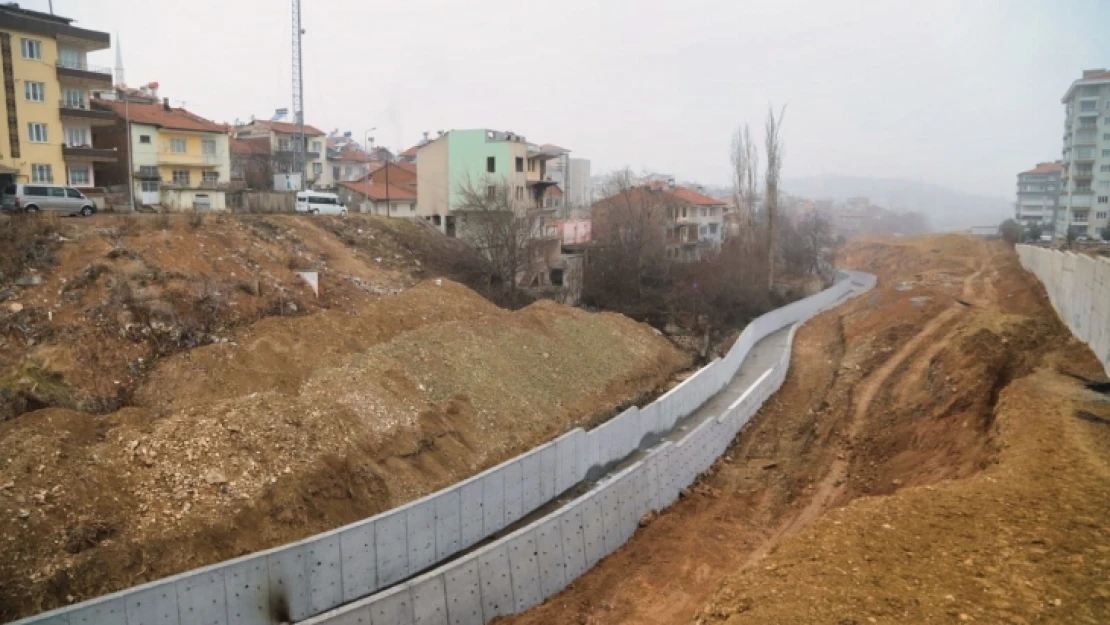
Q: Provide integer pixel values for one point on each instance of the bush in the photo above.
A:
(28, 241)
(127, 225)
(1010, 231)
(196, 220)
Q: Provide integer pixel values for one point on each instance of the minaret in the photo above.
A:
(119, 63)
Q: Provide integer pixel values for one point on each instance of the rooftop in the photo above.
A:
(1046, 168)
(288, 128)
(1090, 77)
(379, 191)
(158, 115)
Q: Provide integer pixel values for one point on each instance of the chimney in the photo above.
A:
(426, 136)
(166, 104)
(153, 89)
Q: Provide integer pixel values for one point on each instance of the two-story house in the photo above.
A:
(47, 136)
(281, 137)
(389, 190)
(692, 223)
(181, 160)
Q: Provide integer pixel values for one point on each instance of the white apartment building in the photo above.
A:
(1038, 196)
(1085, 180)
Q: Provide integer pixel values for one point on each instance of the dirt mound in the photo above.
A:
(901, 393)
(282, 425)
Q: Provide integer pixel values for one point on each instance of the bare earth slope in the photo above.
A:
(299, 424)
(933, 453)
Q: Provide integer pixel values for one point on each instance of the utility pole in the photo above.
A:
(130, 147)
(299, 146)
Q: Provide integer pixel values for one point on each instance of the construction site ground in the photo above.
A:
(939, 453)
(175, 395)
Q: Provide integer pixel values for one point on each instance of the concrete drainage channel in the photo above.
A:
(499, 542)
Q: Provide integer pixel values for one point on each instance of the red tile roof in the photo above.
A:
(291, 129)
(377, 191)
(409, 153)
(1045, 168)
(353, 156)
(157, 115)
(693, 197)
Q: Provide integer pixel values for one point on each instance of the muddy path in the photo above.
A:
(894, 390)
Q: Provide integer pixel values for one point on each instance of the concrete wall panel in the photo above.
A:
(497, 586)
(153, 605)
(111, 611)
(566, 447)
(574, 543)
(593, 530)
(514, 492)
(531, 494)
(549, 472)
(391, 548)
(429, 600)
(472, 509)
(493, 500)
(247, 591)
(360, 564)
(325, 573)
(448, 520)
(549, 551)
(463, 591)
(202, 598)
(525, 570)
(392, 607)
(288, 575)
(420, 523)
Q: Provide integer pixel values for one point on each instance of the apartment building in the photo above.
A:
(1085, 177)
(181, 160)
(281, 138)
(1038, 195)
(692, 223)
(47, 84)
(389, 190)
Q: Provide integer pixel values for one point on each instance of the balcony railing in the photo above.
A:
(207, 185)
(81, 110)
(86, 153)
(191, 158)
(84, 71)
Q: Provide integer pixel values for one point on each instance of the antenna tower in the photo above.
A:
(298, 96)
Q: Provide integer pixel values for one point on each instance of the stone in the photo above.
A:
(215, 476)
(15, 307)
(254, 287)
(31, 280)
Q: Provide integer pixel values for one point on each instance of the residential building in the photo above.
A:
(1038, 195)
(345, 164)
(1085, 178)
(251, 162)
(281, 136)
(389, 190)
(48, 84)
(573, 177)
(180, 161)
(692, 222)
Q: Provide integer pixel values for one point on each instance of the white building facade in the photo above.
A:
(1038, 196)
(1085, 178)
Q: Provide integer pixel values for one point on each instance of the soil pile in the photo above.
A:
(289, 425)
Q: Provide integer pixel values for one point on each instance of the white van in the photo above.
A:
(314, 203)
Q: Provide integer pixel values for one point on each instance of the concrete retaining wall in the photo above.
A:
(346, 566)
(1079, 288)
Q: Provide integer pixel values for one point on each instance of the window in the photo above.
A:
(177, 146)
(491, 192)
(77, 137)
(1106, 152)
(150, 186)
(34, 91)
(1104, 169)
(1084, 153)
(684, 212)
(75, 98)
(208, 147)
(1104, 184)
(1082, 185)
(317, 169)
(491, 164)
(74, 194)
(412, 208)
(42, 173)
(520, 165)
(1106, 136)
(57, 192)
(181, 176)
(79, 175)
(335, 172)
(347, 171)
(144, 138)
(36, 132)
(148, 170)
(704, 211)
(68, 57)
(32, 48)
(1102, 199)
(519, 192)
(35, 191)
(1088, 105)
(1100, 215)
(210, 176)
(316, 146)
(1080, 215)
(283, 145)
(712, 228)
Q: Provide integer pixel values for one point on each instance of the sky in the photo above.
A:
(959, 93)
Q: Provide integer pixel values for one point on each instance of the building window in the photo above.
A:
(519, 192)
(317, 169)
(208, 147)
(32, 48)
(704, 211)
(79, 175)
(1104, 184)
(712, 228)
(41, 173)
(1082, 185)
(684, 212)
(491, 164)
(1080, 215)
(210, 176)
(1104, 169)
(335, 172)
(36, 132)
(34, 91)
(347, 171)
(491, 192)
(181, 176)
(1106, 152)
(1100, 215)
(144, 138)
(520, 165)
(177, 146)
(283, 145)
(75, 98)
(1084, 153)
(1102, 199)
(77, 137)
(148, 170)
(1088, 105)
(149, 186)
(316, 147)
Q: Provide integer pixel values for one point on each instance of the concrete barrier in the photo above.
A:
(346, 566)
(1078, 286)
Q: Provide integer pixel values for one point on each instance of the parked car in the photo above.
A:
(314, 203)
(32, 198)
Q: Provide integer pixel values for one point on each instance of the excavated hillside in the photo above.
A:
(176, 431)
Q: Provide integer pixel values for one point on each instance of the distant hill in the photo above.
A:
(946, 209)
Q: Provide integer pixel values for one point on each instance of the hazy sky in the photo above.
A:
(963, 93)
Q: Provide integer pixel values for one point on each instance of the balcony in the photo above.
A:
(1080, 199)
(1088, 138)
(288, 154)
(80, 112)
(86, 153)
(169, 157)
(207, 185)
(84, 74)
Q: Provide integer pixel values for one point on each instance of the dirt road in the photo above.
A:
(908, 471)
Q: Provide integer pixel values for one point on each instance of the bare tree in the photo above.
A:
(500, 224)
(745, 168)
(771, 197)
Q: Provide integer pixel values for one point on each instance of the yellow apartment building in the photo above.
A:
(48, 84)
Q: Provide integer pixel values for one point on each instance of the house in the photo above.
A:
(346, 163)
(281, 136)
(47, 136)
(389, 190)
(251, 162)
(692, 223)
(181, 160)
